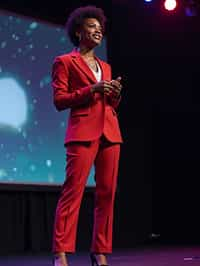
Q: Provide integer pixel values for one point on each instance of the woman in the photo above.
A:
(83, 83)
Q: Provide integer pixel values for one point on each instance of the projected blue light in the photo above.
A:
(31, 130)
(13, 104)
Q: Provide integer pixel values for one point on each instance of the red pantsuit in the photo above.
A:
(92, 137)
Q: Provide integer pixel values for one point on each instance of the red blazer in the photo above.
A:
(91, 115)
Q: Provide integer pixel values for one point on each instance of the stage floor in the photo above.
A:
(145, 256)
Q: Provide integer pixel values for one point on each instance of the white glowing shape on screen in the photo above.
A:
(13, 103)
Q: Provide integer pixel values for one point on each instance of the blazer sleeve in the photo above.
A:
(62, 96)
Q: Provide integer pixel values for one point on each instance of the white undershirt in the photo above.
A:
(97, 73)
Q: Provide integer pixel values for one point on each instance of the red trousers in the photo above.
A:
(80, 158)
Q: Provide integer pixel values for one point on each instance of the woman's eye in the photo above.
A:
(94, 26)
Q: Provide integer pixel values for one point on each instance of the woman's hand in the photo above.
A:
(117, 86)
(108, 87)
(102, 87)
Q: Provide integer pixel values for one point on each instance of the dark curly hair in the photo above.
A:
(77, 17)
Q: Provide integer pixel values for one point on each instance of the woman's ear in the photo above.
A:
(78, 35)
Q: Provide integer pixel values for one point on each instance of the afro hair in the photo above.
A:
(77, 17)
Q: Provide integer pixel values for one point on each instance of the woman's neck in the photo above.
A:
(86, 52)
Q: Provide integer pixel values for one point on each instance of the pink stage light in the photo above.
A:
(170, 5)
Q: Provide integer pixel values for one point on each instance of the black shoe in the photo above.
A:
(94, 261)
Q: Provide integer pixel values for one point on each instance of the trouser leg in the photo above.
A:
(80, 157)
(106, 166)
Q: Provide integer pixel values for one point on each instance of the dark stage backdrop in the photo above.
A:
(159, 55)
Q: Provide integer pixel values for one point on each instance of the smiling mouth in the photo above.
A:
(98, 37)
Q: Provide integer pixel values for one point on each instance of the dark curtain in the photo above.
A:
(27, 215)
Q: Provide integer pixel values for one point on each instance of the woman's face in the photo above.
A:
(91, 33)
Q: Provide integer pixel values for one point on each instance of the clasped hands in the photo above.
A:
(112, 87)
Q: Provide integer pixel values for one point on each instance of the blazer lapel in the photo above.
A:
(82, 65)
